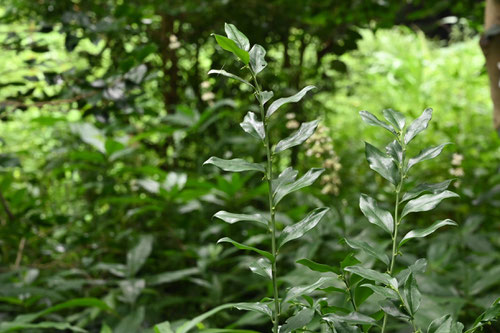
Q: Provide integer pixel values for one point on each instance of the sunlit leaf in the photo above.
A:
(298, 229)
(419, 233)
(426, 202)
(235, 165)
(376, 215)
(256, 307)
(261, 267)
(230, 75)
(292, 99)
(284, 189)
(382, 164)
(258, 58)
(237, 36)
(372, 120)
(368, 249)
(229, 45)
(370, 274)
(395, 151)
(253, 126)
(397, 119)
(355, 318)
(234, 218)
(297, 138)
(426, 154)
(418, 125)
(264, 96)
(433, 188)
(246, 247)
(297, 321)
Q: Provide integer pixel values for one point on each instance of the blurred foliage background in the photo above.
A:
(107, 114)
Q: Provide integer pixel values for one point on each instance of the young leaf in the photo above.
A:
(264, 96)
(234, 165)
(237, 36)
(257, 58)
(433, 188)
(292, 99)
(418, 125)
(382, 291)
(395, 151)
(299, 320)
(234, 218)
(256, 307)
(376, 215)
(372, 120)
(426, 202)
(426, 154)
(261, 267)
(306, 180)
(317, 267)
(297, 138)
(370, 274)
(230, 75)
(382, 164)
(368, 249)
(246, 247)
(397, 119)
(298, 229)
(137, 256)
(412, 295)
(420, 233)
(253, 126)
(229, 45)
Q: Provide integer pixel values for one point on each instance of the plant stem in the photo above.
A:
(272, 210)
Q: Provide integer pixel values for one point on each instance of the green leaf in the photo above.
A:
(295, 292)
(297, 138)
(261, 267)
(354, 318)
(286, 177)
(256, 307)
(317, 267)
(258, 58)
(372, 120)
(426, 154)
(370, 274)
(297, 321)
(230, 75)
(376, 215)
(426, 202)
(7, 326)
(226, 330)
(382, 291)
(234, 218)
(388, 307)
(169, 277)
(443, 324)
(253, 126)
(419, 233)
(298, 229)
(137, 256)
(284, 189)
(164, 328)
(367, 248)
(433, 188)
(382, 164)
(418, 125)
(397, 119)
(412, 295)
(264, 96)
(490, 315)
(187, 326)
(292, 99)
(237, 36)
(229, 45)
(349, 260)
(395, 151)
(235, 165)
(246, 247)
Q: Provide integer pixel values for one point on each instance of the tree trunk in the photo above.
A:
(490, 44)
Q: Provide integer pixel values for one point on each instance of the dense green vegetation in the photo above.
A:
(107, 209)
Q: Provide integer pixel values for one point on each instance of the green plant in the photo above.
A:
(277, 187)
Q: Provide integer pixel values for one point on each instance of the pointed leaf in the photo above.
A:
(261, 267)
(286, 177)
(317, 267)
(297, 138)
(426, 154)
(229, 45)
(370, 274)
(395, 151)
(420, 233)
(292, 99)
(306, 180)
(444, 324)
(246, 247)
(382, 164)
(354, 318)
(367, 248)
(412, 295)
(426, 202)
(397, 119)
(372, 120)
(256, 307)
(418, 125)
(137, 256)
(433, 188)
(376, 215)
(230, 75)
(253, 126)
(295, 292)
(389, 308)
(299, 320)
(234, 218)
(298, 229)
(234, 165)
(349, 260)
(258, 58)
(264, 96)
(382, 291)
(237, 36)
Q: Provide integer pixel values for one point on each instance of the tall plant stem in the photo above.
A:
(272, 209)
